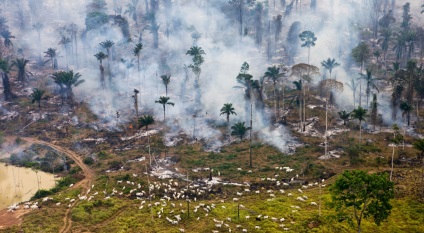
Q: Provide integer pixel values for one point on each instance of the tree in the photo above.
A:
(356, 195)
(308, 39)
(330, 64)
(107, 44)
(38, 27)
(7, 90)
(69, 80)
(132, 10)
(100, 57)
(137, 52)
(407, 109)
(344, 116)
(298, 86)
(135, 97)
(196, 52)
(359, 114)
(419, 145)
(370, 82)
(239, 129)
(153, 27)
(52, 55)
(397, 138)
(166, 79)
(239, 6)
(228, 109)
(361, 54)
(164, 101)
(20, 64)
(7, 36)
(96, 15)
(145, 121)
(353, 86)
(274, 74)
(37, 95)
(374, 111)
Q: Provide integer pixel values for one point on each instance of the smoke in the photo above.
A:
(187, 23)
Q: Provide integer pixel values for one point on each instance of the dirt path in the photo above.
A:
(15, 218)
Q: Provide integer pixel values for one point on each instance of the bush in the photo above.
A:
(88, 160)
(42, 193)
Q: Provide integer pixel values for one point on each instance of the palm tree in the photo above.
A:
(330, 64)
(274, 74)
(100, 57)
(145, 121)
(52, 55)
(65, 41)
(7, 36)
(69, 80)
(137, 52)
(166, 79)
(20, 64)
(153, 27)
(107, 44)
(132, 10)
(196, 52)
(37, 95)
(407, 109)
(58, 79)
(5, 68)
(228, 110)
(239, 129)
(164, 101)
(359, 114)
(353, 86)
(298, 85)
(419, 145)
(38, 27)
(344, 116)
(370, 82)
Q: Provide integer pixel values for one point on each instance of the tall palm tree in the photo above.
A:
(353, 86)
(52, 56)
(107, 44)
(196, 52)
(298, 86)
(7, 36)
(274, 74)
(65, 41)
(166, 79)
(100, 57)
(239, 129)
(330, 64)
(38, 27)
(344, 116)
(359, 114)
(137, 52)
(20, 64)
(370, 82)
(407, 109)
(228, 109)
(37, 95)
(7, 90)
(58, 79)
(145, 121)
(164, 101)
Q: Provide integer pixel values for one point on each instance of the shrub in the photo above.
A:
(88, 160)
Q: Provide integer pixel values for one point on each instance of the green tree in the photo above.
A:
(52, 56)
(228, 109)
(100, 57)
(164, 101)
(107, 44)
(361, 54)
(357, 195)
(330, 64)
(308, 38)
(239, 129)
(360, 115)
(37, 95)
(344, 116)
(96, 15)
(419, 145)
(196, 52)
(166, 79)
(21, 64)
(7, 90)
(274, 74)
(407, 109)
(145, 121)
(370, 82)
(68, 80)
(137, 52)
